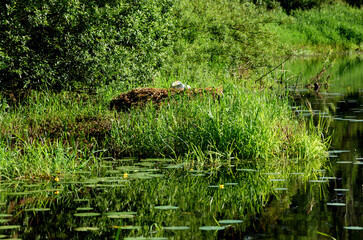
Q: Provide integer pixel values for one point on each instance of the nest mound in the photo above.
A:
(141, 96)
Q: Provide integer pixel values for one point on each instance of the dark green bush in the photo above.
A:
(67, 43)
(357, 3)
(290, 5)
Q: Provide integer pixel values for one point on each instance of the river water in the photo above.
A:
(340, 107)
(158, 199)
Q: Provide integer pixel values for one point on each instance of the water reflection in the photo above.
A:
(152, 199)
(336, 213)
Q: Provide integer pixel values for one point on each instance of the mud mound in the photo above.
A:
(140, 96)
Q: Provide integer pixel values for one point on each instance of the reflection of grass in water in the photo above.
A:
(345, 71)
(197, 204)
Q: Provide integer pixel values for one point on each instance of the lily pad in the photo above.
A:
(338, 151)
(145, 238)
(87, 214)
(318, 181)
(166, 207)
(5, 215)
(81, 200)
(175, 166)
(230, 221)
(85, 229)
(120, 214)
(277, 180)
(246, 170)
(231, 184)
(328, 178)
(353, 228)
(336, 204)
(198, 175)
(176, 228)
(211, 228)
(341, 189)
(84, 208)
(37, 209)
(358, 163)
(6, 227)
(127, 227)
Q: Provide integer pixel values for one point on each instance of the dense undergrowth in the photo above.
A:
(329, 28)
(69, 132)
(87, 52)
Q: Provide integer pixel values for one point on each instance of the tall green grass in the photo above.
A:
(331, 27)
(70, 132)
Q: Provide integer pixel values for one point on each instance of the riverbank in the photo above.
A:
(330, 28)
(69, 126)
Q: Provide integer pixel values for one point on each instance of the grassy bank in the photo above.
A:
(70, 132)
(332, 27)
(111, 48)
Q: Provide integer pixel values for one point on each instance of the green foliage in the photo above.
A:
(240, 125)
(222, 35)
(336, 25)
(67, 43)
(62, 43)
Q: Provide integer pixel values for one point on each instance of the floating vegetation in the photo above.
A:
(145, 238)
(87, 214)
(353, 228)
(327, 178)
(84, 209)
(166, 207)
(211, 228)
(173, 166)
(336, 204)
(7, 227)
(176, 228)
(85, 229)
(246, 170)
(318, 181)
(231, 184)
(358, 163)
(297, 173)
(81, 200)
(338, 151)
(37, 209)
(230, 221)
(127, 227)
(277, 180)
(198, 175)
(341, 189)
(120, 216)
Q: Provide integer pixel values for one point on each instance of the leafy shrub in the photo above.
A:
(221, 35)
(63, 43)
